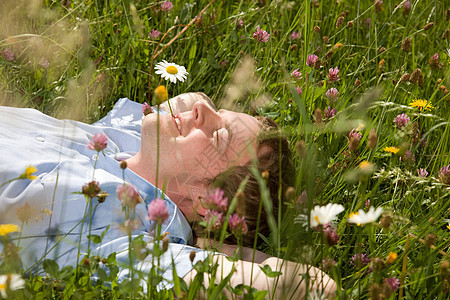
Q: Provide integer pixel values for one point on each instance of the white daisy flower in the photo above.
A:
(171, 71)
(321, 215)
(13, 281)
(362, 217)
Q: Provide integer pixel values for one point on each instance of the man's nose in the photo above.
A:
(204, 116)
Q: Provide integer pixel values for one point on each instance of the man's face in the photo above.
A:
(200, 143)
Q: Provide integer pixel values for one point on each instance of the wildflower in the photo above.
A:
(434, 62)
(444, 174)
(421, 104)
(98, 143)
(321, 215)
(366, 167)
(422, 172)
(417, 77)
(367, 203)
(8, 54)
(391, 149)
(91, 189)
(216, 201)
(10, 282)
(317, 29)
(8, 228)
(331, 236)
(154, 34)
(350, 24)
(329, 112)
(354, 137)
(406, 7)
(295, 35)
(360, 260)
(318, 117)
(299, 90)
(146, 109)
(123, 164)
(372, 140)
(428, 26)
(332, 94)
(378, 5)
(237, 224)
(239, 23)
(296, 74)
(161, 94)
(101, 197)
(311, 59)
(391, 257)
(401, 120)
(29, 173)
(128, 195)
(333, 74)
(386, 221)
(25, 212)
(166, 6)
(361, 217)
(171, 71)
(213, 219)
(157, 211)
(339, 21)
(261, 36)
(357, 82)
(392, 282)
(328, 264)
(406, 44)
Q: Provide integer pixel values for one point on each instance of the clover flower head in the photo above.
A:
(311, 59)
(146, 109)
(154, 34)
(444, 174)
(422, 172)
(166, 6)
(296, 74)
(8, 54)
(98, 142)
(215, 200)
(261, 36)
(392, 282)
(295, 35)
(90, 189)
(354, 135)
(299, 90)
(330, 112)
(128, 195)
(237, 224)
(333, 74)
(332, 94)
(331, 235)
(401, 120)
(214, 219)
(157, 211)
(361, 217)
(360, 260)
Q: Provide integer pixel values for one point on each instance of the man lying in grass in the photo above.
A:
(187, 153)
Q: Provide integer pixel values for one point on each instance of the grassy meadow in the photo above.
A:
(360, 88)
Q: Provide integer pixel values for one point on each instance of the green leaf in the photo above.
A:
(96, 239)
(268, 271)
(66, 272)
(51, 267)
(102, 275)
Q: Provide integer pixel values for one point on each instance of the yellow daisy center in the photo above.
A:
(172, 70)
(2, 287)
(317, 219)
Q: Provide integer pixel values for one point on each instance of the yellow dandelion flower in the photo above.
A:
(391, 257)
(161, 94)
(391, 149)
(29, 173)
(365, 164)
(421, 104)
(8, 228)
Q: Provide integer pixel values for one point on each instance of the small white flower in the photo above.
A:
(14, 282)
(362, 217)
(171, 71)
(322, 215)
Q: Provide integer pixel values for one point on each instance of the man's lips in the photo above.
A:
(177, 123)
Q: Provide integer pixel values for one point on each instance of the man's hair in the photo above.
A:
(274, 158)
